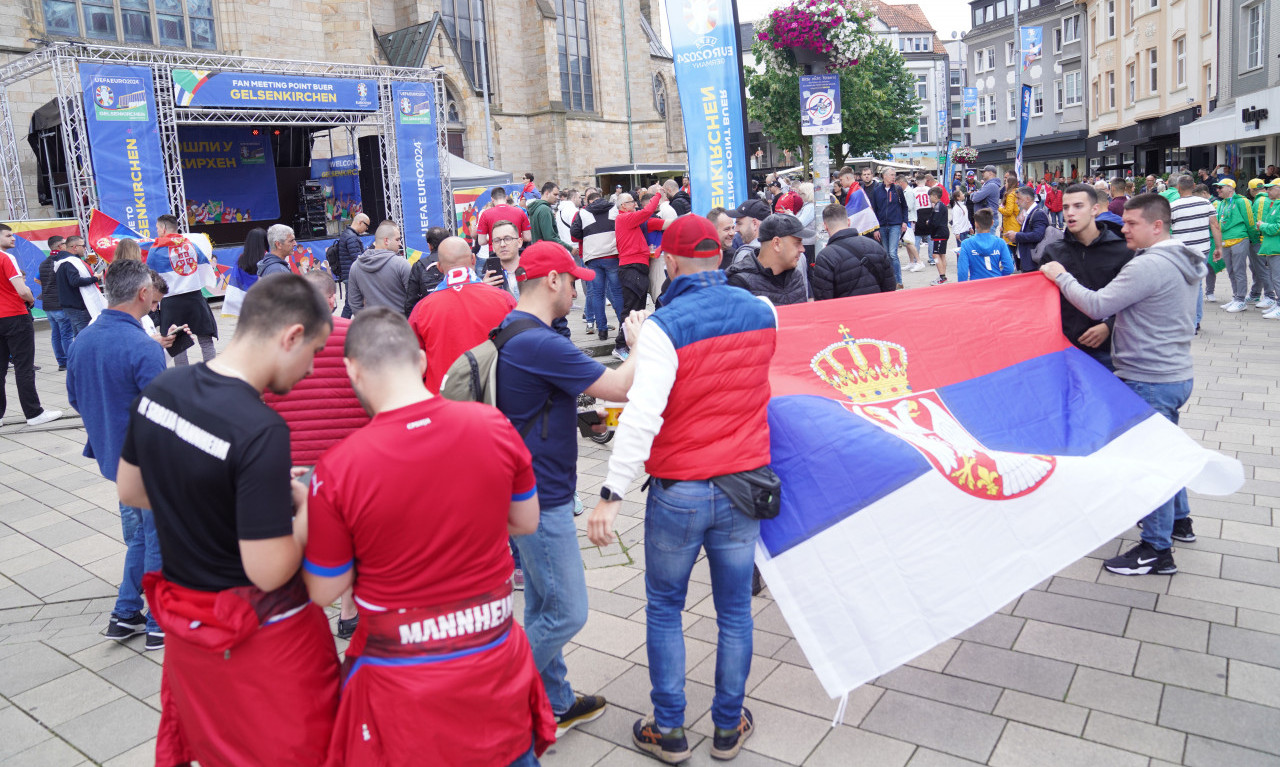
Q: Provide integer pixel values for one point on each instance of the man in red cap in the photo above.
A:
(540, 374)
(697, 422)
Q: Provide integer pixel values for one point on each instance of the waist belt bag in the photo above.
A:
(756, 493)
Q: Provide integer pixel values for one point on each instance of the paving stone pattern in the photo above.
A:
(1087, 668)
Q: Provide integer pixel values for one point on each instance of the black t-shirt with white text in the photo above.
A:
(215, 463)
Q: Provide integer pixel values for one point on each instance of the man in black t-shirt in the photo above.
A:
(250, 673)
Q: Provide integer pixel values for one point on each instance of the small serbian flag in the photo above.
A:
(935, 466)
(105, 233)
(861, 216)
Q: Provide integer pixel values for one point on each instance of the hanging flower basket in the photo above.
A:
(964, 155)
(834, 32)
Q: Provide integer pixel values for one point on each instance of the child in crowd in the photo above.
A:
(960, 225)
(983, 255)
(939, 232)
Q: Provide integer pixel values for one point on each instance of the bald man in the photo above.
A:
(458, 314)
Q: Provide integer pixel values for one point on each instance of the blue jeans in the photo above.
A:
(1165, 398)
(527, 759)
(142, 555)
(555, 597)
(890, 237)
(606, 284)
(1200, 303)
(680, 520)
(78, 319)
(59, 334)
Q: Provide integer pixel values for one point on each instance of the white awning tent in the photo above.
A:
(858, 162)
(465, 174)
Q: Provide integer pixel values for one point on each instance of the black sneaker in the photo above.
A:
(347, 627)
(757, 582)
(155, 640)
(603, 334)
(587, 708)
(727, 743)
(1142, 559)
(1182, 530)
(671, 748)
(120, 628)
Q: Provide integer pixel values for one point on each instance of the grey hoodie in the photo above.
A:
(1153, 299)
(378, 278)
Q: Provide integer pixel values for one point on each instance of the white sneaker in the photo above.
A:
(1210, 298)
(917, 267)
(45, 417)
(1266, 305)
(1274, 314)
(1235, 306)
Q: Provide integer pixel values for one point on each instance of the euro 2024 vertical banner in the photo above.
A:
(1024, 117)
(124, 141)
(417, 147)
(704, 38)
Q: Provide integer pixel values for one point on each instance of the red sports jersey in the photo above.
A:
(420, 499)
(497, 213)
(453, 319)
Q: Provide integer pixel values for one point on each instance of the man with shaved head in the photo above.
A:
(458, 314)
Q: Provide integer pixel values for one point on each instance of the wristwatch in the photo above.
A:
(608, 495)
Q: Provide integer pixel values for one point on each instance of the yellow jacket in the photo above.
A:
(1009, 212)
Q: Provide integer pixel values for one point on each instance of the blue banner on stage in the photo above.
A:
(124, 143)
(255, 90)
(704, 38)
(340, 177)
(1024, 117)
(229, 175)
(417, 146)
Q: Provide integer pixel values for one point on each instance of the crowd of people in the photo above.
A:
(272, 479)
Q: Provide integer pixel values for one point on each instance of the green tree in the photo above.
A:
(878, 105)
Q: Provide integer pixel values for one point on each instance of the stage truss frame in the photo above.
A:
(64, 59)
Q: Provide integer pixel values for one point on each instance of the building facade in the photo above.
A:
(910, 33)
(1152, 67)
(1243, 128)
(561, 90)
(1057, 129)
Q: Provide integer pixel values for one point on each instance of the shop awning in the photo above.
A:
(463, 174)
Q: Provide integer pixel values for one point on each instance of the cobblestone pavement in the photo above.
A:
(1087, 668)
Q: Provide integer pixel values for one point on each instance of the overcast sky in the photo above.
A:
(947, 16)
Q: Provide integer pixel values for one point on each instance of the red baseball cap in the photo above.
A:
(691, 236)
(543, 258)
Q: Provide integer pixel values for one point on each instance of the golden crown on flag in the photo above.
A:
(863, 369)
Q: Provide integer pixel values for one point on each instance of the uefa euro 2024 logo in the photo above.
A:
(103, 96)
(362, 91)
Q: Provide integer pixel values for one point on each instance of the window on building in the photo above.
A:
(922, 87)
(1153, 4)
(1111, 90)
(1208, 16)
(1071, 29)
(1111, 18)
(1180, 61)
(1153, 70)
(1037, 100)
(989, 13)
(1133, 13)
(1253, 160)
(914, 44)
(1000, 9)
(956, 112)
(1057, 40)
(1057, 95)
(1010, 53)
(1073, 88)
(1097, 98)
(922, 135)
(576, 84)
(1131, 77)
(176, 23)
(1011, 103)
(991, 58)
(464, 22)
(1253, 36)
(1207, 77)
(957, 78)
(977, 16)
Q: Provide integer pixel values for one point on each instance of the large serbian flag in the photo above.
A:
(936, 464)
(861, 216)
(183, 261)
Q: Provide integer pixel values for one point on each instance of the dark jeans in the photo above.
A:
(18, 340)
(59, 335)
(78, 319)
(635, 293)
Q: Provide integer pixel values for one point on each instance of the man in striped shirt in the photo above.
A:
(1196, 225)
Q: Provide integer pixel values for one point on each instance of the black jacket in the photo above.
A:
(49, 282)
(852, 265)
(1093, 265)
(681, 203)
(423, 278)
(780, 289)
(349, 249)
